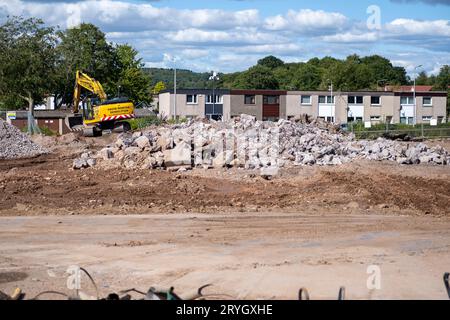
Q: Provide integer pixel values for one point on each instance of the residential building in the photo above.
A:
(395, 106)
(195, 103)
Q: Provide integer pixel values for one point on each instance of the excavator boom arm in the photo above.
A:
(84, 81)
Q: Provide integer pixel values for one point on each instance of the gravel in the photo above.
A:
(15, 144)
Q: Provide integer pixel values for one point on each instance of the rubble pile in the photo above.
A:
(15, 144)
(251, 144)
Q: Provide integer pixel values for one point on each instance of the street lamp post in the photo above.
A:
(173, 60)
(414, 94)
(330, 88)
(174, 92)
(213, 78)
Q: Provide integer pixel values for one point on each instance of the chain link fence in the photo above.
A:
(393, 131)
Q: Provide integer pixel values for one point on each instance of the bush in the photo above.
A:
(47, 131)
(176, 121)
(139, 123)
(44, 130)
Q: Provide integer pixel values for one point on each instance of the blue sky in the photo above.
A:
(231, 35)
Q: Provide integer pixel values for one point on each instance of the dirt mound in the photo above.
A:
(15, 144)
(30, 187)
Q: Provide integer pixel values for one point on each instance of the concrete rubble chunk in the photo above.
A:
(180, 155)
(132, 150)
(106, 153)
(268, 172)
(223, 158)
(142, 142)
(136, 134)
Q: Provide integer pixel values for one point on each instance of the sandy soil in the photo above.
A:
(245, 256)
(318, 227)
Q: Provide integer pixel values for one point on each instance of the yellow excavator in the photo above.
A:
(97, 113)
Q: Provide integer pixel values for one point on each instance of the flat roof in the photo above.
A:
(300, 92)
(197, 91)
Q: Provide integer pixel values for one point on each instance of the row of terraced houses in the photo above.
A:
(390, 105)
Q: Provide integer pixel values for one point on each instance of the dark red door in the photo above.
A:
(271, 107)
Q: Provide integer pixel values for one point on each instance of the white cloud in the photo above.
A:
(217, 37)
(119, 15)
(194, 53)
(352, 37)
(410, 27)
(281, 49)
(307, 20)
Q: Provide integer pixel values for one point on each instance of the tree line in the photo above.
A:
(37, 61)
(350, 74)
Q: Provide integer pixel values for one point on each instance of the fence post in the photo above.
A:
(422, 130)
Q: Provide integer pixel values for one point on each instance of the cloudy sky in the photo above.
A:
(231, 35)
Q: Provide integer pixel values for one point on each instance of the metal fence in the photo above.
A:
(420, 132)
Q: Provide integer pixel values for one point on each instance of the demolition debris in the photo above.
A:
(15, 144)
(251, 144)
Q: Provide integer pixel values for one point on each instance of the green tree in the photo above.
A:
(134, 83)
(257, 77)
(382, 69)
(443, 78)
(159, 86)
(443, 83)
(85, 48)
(422, 78)
(308, 77)
(27, 60)
(270, 62)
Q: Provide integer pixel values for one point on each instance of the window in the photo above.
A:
(355, 99)
(354, 119)
(375, 100)
(406, 100)
(326, 99)
(209, 99)
(426, 118)
(328, 119)
(271, 99)
(406, 120)
(427, 101)
(375, 118)
(249, 99)
(305, 99)
(191, 99)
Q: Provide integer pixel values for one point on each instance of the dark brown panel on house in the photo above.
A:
(20, 123)
(52, 124)
(271, 110)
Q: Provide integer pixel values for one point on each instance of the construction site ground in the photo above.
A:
(314, 227)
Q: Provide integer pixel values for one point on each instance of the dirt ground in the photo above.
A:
(319, 227)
